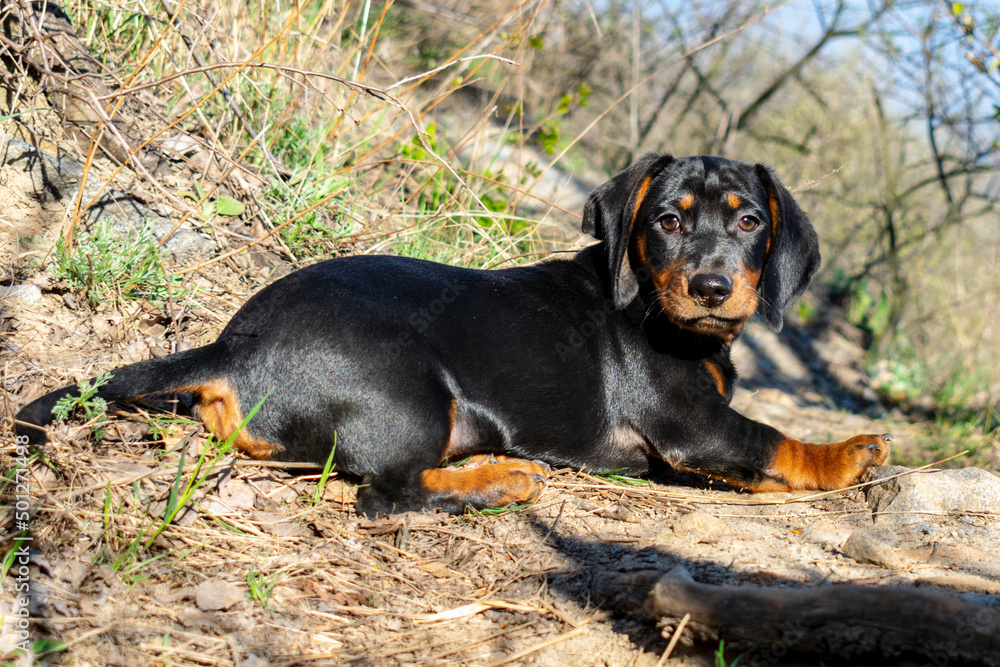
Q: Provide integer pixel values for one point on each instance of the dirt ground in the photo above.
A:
(267, 566)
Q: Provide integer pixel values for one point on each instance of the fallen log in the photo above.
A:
(839, 620)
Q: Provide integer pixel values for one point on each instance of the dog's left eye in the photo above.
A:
(748, 223)
(671, 223)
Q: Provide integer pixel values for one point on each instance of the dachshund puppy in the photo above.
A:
(609, 360)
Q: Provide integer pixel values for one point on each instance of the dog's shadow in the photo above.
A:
(761, 366)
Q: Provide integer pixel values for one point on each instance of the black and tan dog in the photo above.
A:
(608, 360)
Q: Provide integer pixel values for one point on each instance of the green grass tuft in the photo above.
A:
(625, 480)
(105, 265)
(261, 586)
(327, 469)
(87, 404)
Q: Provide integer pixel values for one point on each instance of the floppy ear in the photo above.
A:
(793, 251)
(608, 216)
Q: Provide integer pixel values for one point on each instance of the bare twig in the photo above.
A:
(237, 111)
(673, 640)
(641, 83)
(424, 75)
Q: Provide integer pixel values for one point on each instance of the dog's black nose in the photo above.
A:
(710, 289)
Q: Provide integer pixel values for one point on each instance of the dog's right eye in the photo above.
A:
(670, 223)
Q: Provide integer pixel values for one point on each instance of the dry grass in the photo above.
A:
(267, 105)
(316, 584)
(267, 109)
(428, 586)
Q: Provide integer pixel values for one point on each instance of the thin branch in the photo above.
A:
(643, 82)
(424, 75)
(276, 164)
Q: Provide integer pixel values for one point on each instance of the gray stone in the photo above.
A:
(867, 546)
(26, 293)
(216, 595)
(237, 493)
(71, 572)
(58, 179)
(53, 178)
(279, 527)
(126, 215)
(912, 498)
(196, 620)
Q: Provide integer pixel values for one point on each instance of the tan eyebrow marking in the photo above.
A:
(686, 202)
(733, 200)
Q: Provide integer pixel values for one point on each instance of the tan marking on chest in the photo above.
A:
(716, 372)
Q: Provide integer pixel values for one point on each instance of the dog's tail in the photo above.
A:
(166, 375)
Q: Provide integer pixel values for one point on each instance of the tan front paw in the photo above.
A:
(519, 482)
(851, 458)
(824, 467)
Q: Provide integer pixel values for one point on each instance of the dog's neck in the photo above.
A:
(666, 337)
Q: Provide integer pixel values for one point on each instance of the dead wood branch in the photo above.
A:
(846, 621)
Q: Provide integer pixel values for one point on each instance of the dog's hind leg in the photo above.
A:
(414, 480)
(505, 482)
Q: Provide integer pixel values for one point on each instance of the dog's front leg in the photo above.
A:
(728, 446)
(826, 466)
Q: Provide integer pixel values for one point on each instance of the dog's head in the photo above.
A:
(716, 239)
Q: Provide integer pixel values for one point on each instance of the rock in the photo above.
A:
(59, 180)
(618, 513)
(185, 516)
(867, 546)
(53, 178)
(238, 494)
(71, 572)
(26, 294)
(699, 523)
(279, 527)
(196, 620)
(127, 215)
(216, 595)
(553, 187)
(909, 499)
